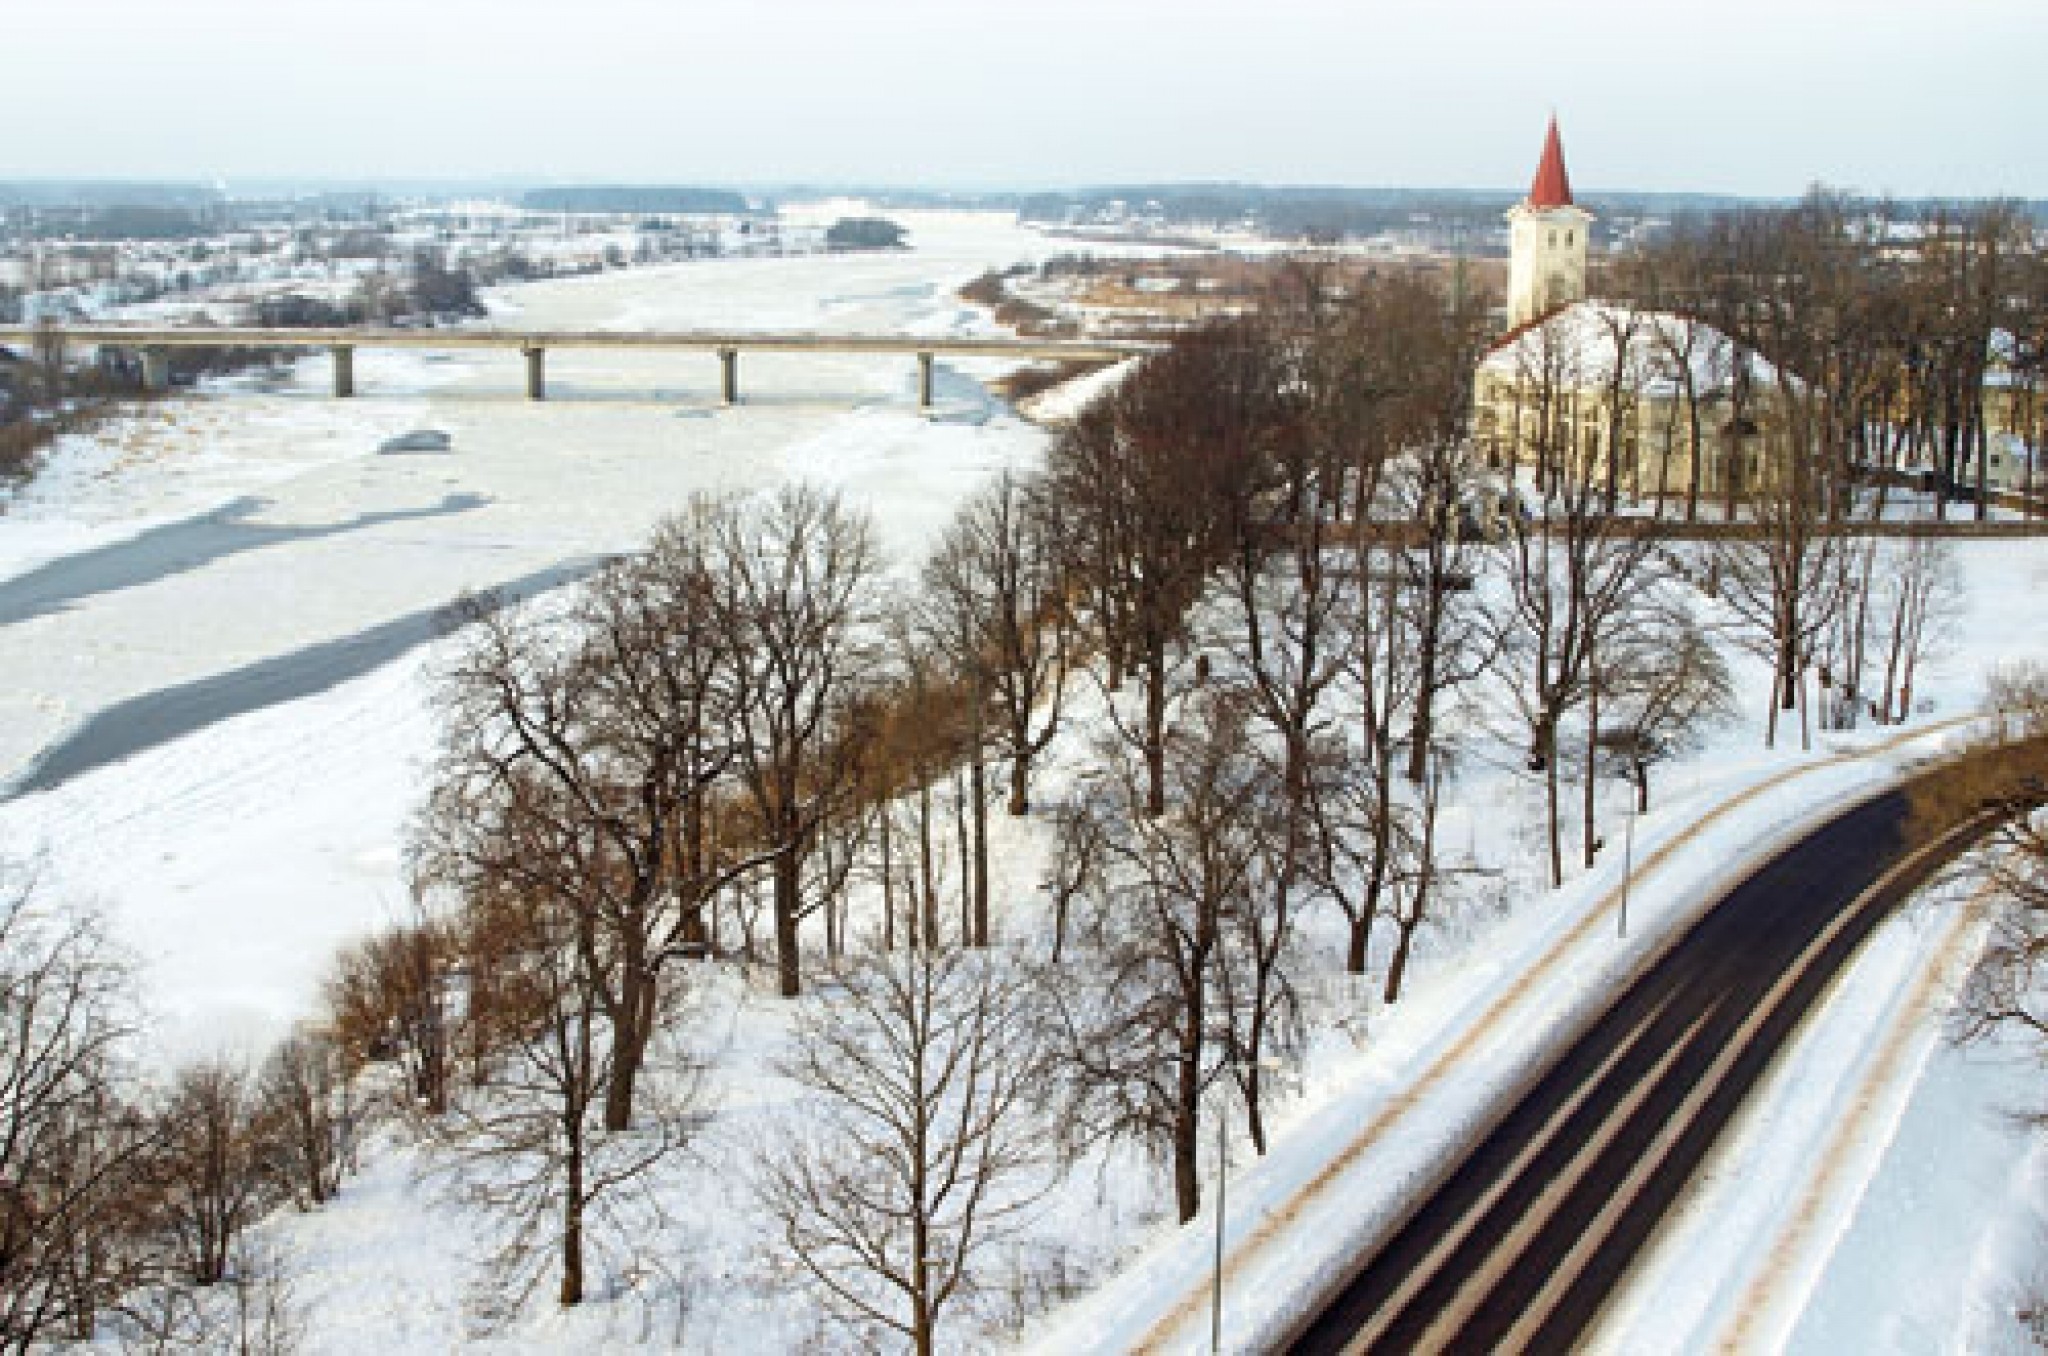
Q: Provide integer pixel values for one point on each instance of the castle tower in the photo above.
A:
(1547, 241)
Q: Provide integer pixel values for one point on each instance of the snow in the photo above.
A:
(341, 540)
(1347, 1163)
(1581, 344)
(235, 858)
(1064, 402)
(1375, 1125)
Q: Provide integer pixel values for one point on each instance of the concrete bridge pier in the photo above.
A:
(729, 374)
(344, 371)
(924, 381)
(536, 373)
(156, 369)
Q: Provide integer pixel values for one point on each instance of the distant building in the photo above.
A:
(2015, 413)
(1674, 405)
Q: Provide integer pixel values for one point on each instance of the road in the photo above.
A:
(1521, 1243)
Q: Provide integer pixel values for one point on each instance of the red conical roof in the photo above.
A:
(1553, 187)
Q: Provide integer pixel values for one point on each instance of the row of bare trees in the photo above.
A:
(1274, 563)
(126, 1200)
(1898, 338)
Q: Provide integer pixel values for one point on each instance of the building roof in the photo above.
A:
(1552, 186)
(1578, 346)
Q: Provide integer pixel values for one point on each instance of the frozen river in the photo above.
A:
(214, 614)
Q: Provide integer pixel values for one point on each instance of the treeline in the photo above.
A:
(1902, 337)
(431, 289)
(125, 1200)
(635, 198)
(95, 193)
(120, 221)
(864, 233)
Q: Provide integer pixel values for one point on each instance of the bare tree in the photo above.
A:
(1364, 839)
(796, 578)
(1784, 584)
(210, 1171)
(1574, 570)
(1916, 597)
(1155, 1027)
(531, 1145)
(607, 735)
(1444, 491)
(387, 1000)
(1152, 479)
(72, 1144)
(1662, 685)
(997, 595)
(309, 1116)
(1418, 894)
(924, 1067)
(1080, 847)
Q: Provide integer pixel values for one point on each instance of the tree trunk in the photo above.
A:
(929, 895)
(977, 784)
(572, 1221)
(1361, 939)
(1020, 783)
(888, 882)
(787, 872)
(1398, 966)
(1254, 1111)
(964, 836)
(1589, 842)
(1155, 729)
(1552, 819)
(1422, 728)
(631, 1030)
(1187, 1187)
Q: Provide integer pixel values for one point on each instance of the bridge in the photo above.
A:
(155, 344)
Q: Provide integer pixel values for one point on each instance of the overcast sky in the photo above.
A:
(1747, 96)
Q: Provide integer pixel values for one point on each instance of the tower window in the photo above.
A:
(1567, 237)
(1553, 237)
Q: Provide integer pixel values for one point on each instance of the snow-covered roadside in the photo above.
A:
(1878, 1194)
(1740, 1262)
(1947, 1239)
(1994, 1182)
(1347, 1160)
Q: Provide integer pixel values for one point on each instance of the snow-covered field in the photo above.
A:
(222, 539)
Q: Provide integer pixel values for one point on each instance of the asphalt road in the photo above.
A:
(1522, 1242)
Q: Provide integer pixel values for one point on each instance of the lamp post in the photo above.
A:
(1216, 1273)
(1234, 1067)
(1628, 864)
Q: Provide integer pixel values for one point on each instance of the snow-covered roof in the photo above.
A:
(1579, 346)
